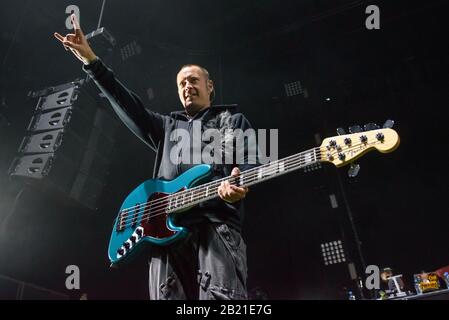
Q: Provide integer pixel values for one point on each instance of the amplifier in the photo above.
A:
(68, 142)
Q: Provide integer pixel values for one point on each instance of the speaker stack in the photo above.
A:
(68, 143)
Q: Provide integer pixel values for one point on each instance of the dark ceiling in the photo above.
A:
(251, 48)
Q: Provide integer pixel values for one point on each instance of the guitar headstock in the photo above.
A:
(343, 149)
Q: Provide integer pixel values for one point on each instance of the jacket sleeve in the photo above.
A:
(145, 124)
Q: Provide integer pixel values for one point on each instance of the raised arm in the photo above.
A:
(145, 124)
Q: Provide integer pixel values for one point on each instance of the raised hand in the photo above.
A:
(77, 43)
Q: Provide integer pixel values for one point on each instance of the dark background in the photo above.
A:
(397, 203)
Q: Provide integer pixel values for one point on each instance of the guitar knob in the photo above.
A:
(380, 136)
(388, 124)
(348, 141)
(355, 129)
(363, 138)
(332, 143)
(341, 156)
(121, 251)
(353, 170)
(139, 231)
(329, 156)
(341, 131)
(338, 147)
(133, 239)
(126, 244)
(370, 126)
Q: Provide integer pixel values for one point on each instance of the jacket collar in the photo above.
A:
(214, 108)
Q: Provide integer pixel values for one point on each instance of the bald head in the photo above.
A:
(194, 88)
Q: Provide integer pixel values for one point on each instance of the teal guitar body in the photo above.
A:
(145, 216)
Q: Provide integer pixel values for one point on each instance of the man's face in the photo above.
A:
(194, 89)
(385, 275)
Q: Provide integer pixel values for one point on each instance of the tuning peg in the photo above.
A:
(388, 124)
(370, 126)
(341, 131)
(355, 129)
(354, 169)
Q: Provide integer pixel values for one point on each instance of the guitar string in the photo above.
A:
(249, 171)
(199, 195)
(312, 150)
(154, 211)
(268, 168)
(249, 177)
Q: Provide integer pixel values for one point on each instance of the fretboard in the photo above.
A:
(190, 197)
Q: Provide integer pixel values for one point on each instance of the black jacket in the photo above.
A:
(155, 130)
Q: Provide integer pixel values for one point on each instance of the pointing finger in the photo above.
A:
(76, 25)
(74, 21)
(62, 39)
(58, 36)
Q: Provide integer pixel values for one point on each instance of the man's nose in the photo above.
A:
(188, 87)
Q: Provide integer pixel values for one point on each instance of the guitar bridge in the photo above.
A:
(122, 220)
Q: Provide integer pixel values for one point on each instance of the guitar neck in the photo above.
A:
(208, 191)
(277, 168)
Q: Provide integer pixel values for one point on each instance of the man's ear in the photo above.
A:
(210, 86)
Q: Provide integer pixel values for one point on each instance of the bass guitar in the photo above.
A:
(146, 215)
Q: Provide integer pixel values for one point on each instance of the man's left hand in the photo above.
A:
(229, 192)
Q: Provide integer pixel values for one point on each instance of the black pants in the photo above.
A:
(209, 264)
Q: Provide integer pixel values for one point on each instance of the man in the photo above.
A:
(388, 286)
(211, 262)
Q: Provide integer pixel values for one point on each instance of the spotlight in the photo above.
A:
(293, 89)
(129, 50)
(333, 252)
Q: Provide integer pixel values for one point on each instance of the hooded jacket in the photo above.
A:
(174, 154)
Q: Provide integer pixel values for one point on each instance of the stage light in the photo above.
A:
(129, 50)
(333, 252)
(293, 88)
